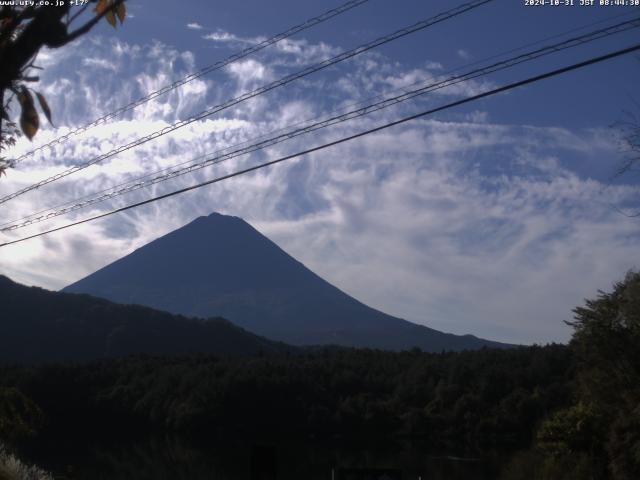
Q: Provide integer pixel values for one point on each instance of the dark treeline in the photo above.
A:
(38, 325)
(576, 407)
(484, 397)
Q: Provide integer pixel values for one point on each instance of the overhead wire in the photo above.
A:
(193, 76)
(264, 89)
(220, 157)
(403, 120)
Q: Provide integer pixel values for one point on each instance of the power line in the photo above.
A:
(278, 83)
(488, 93)
(349, 115)
(193, 76)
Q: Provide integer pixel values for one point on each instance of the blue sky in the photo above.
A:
(495, 219)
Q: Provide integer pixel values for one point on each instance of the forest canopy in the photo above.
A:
(576, 407)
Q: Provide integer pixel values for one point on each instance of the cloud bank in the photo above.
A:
(462, 224)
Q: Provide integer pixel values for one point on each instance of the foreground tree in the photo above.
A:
(607, 342)
(604, 424)
(24, 30)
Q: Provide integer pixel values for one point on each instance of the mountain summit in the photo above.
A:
(221, 266)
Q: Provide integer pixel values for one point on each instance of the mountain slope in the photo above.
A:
(220, 265)
(39, 325)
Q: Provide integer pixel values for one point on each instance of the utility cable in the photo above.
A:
(473, 98)
(193, 76)
(278, 83)
(220, 157)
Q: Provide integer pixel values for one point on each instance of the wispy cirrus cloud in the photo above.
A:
(222, 36)
(460, 223)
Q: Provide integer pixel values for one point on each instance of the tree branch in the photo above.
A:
(92, 23)
(77, 14)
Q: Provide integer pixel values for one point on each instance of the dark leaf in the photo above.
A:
(101, 6)
(111, 18)
(29, 121)
(122, 12)
(24, 97)
(45, 106)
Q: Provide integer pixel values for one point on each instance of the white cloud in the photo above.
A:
(301, 52)
(465, 225)
(428, 243)
(248, 72)
(222, 36)
(194, 26)
(99, 63)
(476, 117)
